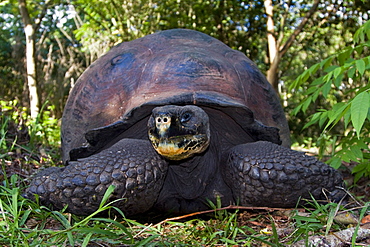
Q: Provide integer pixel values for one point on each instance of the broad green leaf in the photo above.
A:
(338, 80)
(347, 118)
(359, 49)
(326, 62)
(315, 95)
(338, 111)
(360, 64)
(317, 81)
(359, 168)
(356, 151)
(326, 88)
(314, 68)
(314, 119)
(87, 239)
(335, 162)
(297, 109)
(296, 83)
(305, 76)
(323, 118)
(359, 109)
(337, 72)
(331, 68)
(351, 72)
(306, 104)
(343, 56)
(327, 77)
(310, 90)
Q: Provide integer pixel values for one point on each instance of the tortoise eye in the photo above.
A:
(185, 117)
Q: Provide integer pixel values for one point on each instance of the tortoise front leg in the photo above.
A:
(266, 174)
(133, 166)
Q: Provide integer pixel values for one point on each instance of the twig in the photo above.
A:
(225, 208)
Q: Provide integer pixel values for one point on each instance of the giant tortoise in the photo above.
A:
(174, 120)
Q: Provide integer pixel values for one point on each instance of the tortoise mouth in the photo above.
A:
(179, 132)
(180, 147)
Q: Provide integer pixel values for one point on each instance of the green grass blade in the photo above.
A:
(362, 214)
(87, 239)
(106, 195)
(117, 224)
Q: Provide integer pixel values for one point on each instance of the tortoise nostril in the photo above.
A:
(162, 119)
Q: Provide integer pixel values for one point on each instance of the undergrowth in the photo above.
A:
(25, 223)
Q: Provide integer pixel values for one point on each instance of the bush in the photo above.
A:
(344, 84)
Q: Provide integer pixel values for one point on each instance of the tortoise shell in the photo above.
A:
(114, 97)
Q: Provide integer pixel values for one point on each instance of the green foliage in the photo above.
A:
(18, 213)
(19, 131)
(346, 89)
(317, 219)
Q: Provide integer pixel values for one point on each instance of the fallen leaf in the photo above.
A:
(366, 219)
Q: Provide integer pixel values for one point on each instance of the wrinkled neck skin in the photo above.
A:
(190, 177)
(189, 183)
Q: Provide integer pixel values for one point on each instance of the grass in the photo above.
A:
(26, 223)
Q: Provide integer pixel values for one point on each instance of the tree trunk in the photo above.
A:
(274, 56)
(30, 58)
(277, 50)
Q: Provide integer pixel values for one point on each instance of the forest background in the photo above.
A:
(315, 53)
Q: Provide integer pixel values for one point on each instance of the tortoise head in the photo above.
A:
(179, 132)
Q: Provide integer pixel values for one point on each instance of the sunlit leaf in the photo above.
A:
(326, 88)
(343, 56)
(306, 104)
(337, 72)
(347, 118)
(335, 115)
(323, 118)
(313, 120)
(361, 66)
(351, 72)
(326, 62)
(335, 162)
(359, 110)
(338, 80)
(356, 151)
(313, 69)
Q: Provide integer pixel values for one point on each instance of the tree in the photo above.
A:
(29, 31)
(49, 52)
(276, 48)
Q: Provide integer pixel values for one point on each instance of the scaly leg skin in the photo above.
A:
(266, 174)
(131, 165)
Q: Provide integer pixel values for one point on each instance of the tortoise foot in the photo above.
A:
(132, 166)
(266, 174)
